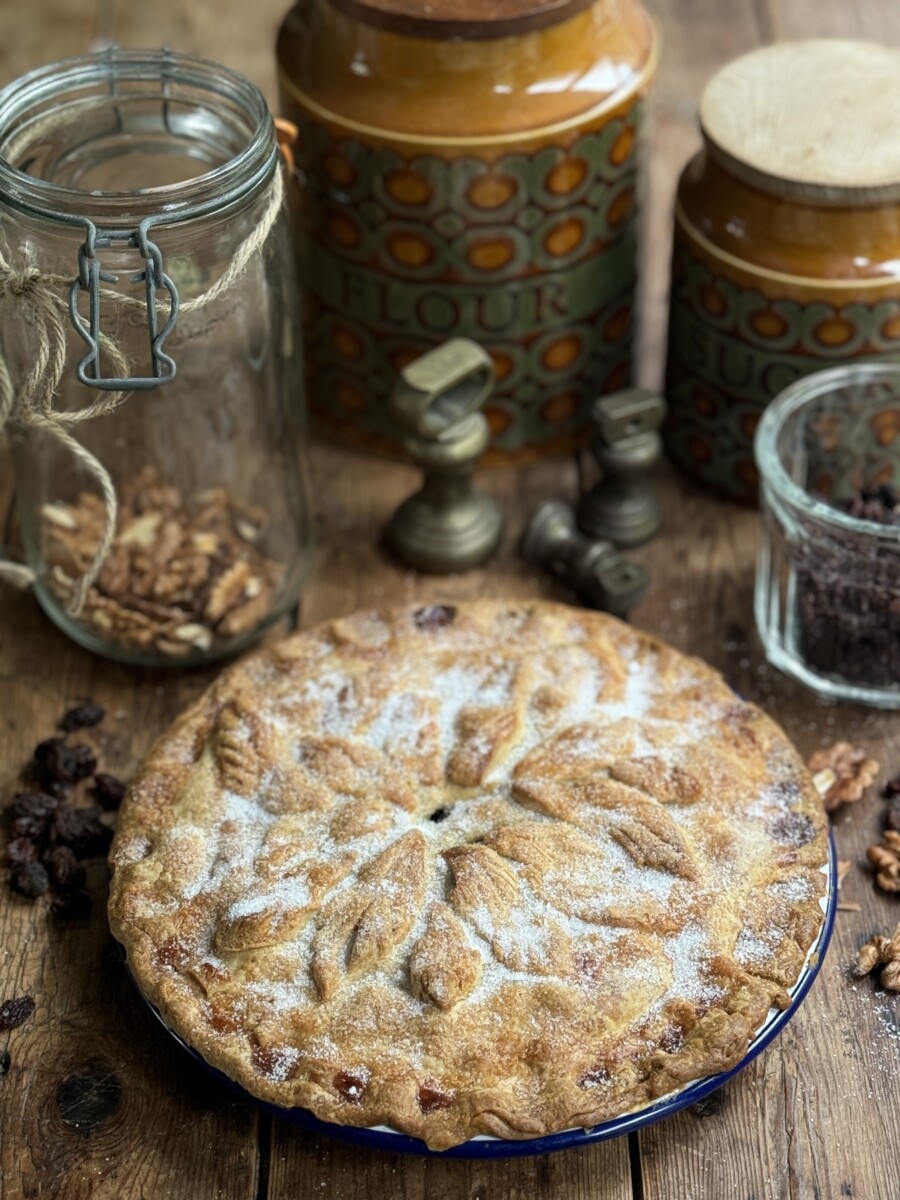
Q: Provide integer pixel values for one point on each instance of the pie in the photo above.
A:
(496, 868)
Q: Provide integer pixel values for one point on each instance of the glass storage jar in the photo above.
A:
(787, 243)
(828, 581)
(471, 169)
(149, 304)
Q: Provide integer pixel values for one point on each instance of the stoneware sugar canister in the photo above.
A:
(787, 243)
(471, 169)
(149, 367)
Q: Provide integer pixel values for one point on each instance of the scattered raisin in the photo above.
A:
(56, 765)
(71, 906)
(30, 879)
(434, 616)
(439, 814)
(108, 791)
(4, 1063)
(82, 716)
(33, 804)
(19, 851)
(14, 1013)
(892, 817)
(891, 788)
(31, 814)
(49, 765)
(82, 831)
(35, 829)
(63, 868)
(84, 761)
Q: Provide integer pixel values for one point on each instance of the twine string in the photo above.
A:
(45, 298)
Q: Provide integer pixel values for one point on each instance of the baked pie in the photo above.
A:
(496, 868)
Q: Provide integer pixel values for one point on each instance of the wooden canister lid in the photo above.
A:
(461, 18)
(816, 119)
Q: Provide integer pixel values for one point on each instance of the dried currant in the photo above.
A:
(83, 760)
(63, 868)
(19, 851)
(108, 791)
(891, 788)
(82, 716)
(32, 814)
(71, 906)
(14, 1013)
(82, 831)
(30, 879)
(49, 764)
(33, 804)
(35, 829)
(434, 616)
(892, 817)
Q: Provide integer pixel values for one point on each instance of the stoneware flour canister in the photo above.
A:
(787, 243)
(471, 169)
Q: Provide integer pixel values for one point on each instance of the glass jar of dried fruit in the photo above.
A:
(828, 573)
(149, 374)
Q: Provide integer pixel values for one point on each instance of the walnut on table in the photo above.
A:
(886, 860)
(841, 774)
(883, 952)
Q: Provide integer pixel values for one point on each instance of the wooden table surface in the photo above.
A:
(97, 1102)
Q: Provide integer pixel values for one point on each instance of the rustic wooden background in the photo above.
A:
(98, 1103)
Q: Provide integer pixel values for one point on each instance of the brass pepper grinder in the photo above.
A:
(594, 569)
(623, 506)
(447, 525)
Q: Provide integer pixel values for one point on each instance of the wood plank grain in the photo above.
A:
(322, 1167)
(875, 20)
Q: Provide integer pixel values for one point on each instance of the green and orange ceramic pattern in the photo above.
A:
(532, 255)
(739, 334)
(479, 186)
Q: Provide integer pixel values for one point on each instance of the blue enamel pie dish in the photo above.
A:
(382, 1138)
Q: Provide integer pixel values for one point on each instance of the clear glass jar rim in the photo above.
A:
(204, 193)
(768, 460)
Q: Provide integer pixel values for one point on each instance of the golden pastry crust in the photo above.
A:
(502, 868)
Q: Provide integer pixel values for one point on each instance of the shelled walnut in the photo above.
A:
(881, 952)
(842, 773)
(885, 858)
(181, 574)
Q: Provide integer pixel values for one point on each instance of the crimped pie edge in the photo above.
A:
(718, 1042)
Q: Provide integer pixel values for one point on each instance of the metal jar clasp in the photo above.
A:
(89, 279)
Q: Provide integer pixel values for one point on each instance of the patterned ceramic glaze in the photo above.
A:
(449, 195)
(772, 278)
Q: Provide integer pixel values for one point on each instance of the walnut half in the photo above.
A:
(881, 952)
(841, 773)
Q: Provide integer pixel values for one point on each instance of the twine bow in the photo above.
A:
(44, 298)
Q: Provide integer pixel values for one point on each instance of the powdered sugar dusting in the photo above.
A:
(616, 920)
